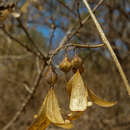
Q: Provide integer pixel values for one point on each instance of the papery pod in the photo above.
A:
(78, 97)
(52, 108)
(97, 100)
(74, 115)
(41, 122)
(66, 125)
(65, 65)
(53, 111)
(69, 84)
(76, 62)
(51, 75)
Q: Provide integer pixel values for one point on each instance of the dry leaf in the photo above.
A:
(97, 100)
(78, 98)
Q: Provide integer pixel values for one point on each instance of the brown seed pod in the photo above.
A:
(65, 65)
(81, 69)
(51, 75)
(76, 62)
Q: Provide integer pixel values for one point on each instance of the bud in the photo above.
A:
(76, 62)
(65, 65)
(51, 75)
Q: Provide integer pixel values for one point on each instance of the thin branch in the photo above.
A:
(20, 43)
(26, 86)
(51, 38)
(29, 37)
(70, 33)
(78, 12)
(85, 45)
(74, 45)
(14, 57)
(106, 42)
(53, 29)
(68, 8)
(25, 103)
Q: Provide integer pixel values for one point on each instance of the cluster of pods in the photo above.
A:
(78, 92)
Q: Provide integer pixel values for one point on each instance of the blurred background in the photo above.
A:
(47, 22)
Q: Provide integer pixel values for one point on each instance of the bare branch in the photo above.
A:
(53, 28)
(19, 42)
(25, 103)
(85, 45)
(14, 57)
(23, 45)
(70, 33)
(64, 5)
(29, 37)
(106, 42)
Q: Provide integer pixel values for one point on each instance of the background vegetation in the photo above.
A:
(47, 23)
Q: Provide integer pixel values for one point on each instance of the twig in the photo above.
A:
(26, 86)
(78, 12)
(83, 21)
(64, 5)
(25, 103)
(74, 45)
(85, 45)
(51, 38)
(20, 43)
(53, 28)
(70, 33)
(29, 37)
(106, 42)
(14, 57)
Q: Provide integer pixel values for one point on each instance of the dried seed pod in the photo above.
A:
(81, 69)
(51, 75)
(78, 94)
(65, 65)
(76, 62)
(99, 101)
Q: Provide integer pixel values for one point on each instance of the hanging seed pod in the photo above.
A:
(81, 69)
(65, 65)
(51, 75)
(76, 62)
